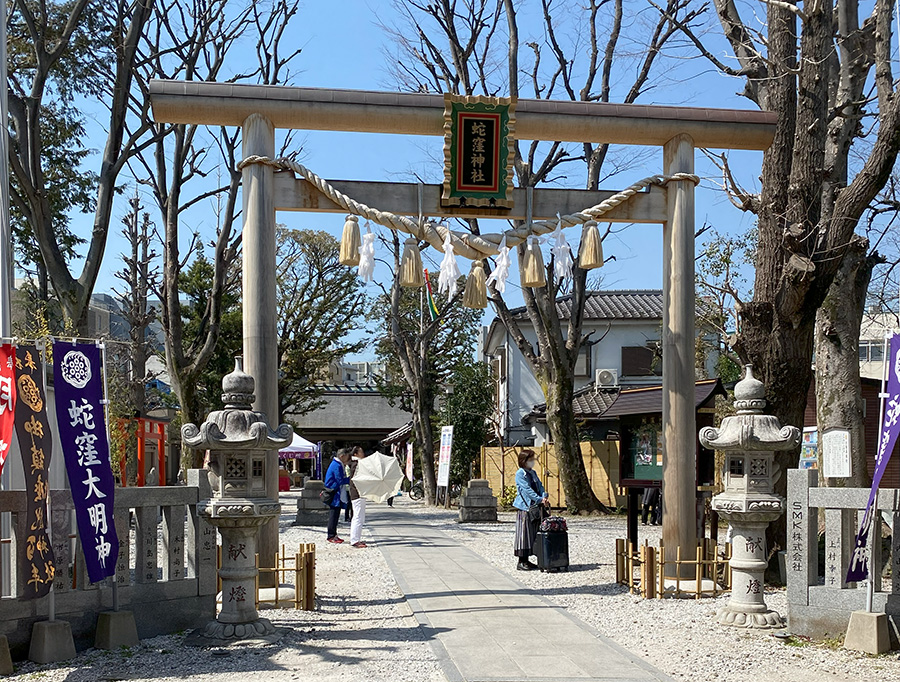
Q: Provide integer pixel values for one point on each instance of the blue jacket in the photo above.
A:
(527, 498)
(335, 477)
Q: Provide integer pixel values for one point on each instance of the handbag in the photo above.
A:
(327, 496)
(535, 513)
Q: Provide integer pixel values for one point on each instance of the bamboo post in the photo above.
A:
(699, 571)
(311, 579)
(620, 560)
(651, 572)
(677, 571)
(299, 583)
(642, 558)
(661, 563)
(277, 574)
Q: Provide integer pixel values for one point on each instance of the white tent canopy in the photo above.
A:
(298, 447)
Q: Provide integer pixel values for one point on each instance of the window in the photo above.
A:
(257, 468)
(871, 351)
(583, 363)
(640, 361)
(736, 466)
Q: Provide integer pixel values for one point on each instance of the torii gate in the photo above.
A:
(260, 109)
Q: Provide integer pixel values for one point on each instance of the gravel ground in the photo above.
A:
(363, 630)
(680, 637)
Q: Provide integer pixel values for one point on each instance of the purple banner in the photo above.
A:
(78, 381)
(890, 429)
(36, 444)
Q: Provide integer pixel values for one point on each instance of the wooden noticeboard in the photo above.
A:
(478, 151)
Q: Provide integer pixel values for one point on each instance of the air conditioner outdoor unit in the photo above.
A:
(606, 378)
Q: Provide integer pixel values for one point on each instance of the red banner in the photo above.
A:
(7, 399)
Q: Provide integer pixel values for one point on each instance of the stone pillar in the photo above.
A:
(477, 503)
(679, 416)
(259, 311)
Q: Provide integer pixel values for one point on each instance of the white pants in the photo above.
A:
(359, 518)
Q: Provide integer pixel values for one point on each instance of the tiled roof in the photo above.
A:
(399, 435)
(612, 305)
(610, 404)
(649, 400)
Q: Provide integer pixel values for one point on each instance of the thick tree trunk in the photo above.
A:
(580, 497)
(425, 437)
(839, 401)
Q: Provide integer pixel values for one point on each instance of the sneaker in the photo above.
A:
(360, 544)
(335, 540)
(525, 566)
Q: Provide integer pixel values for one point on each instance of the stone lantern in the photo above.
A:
(749, 503)
(238, 439)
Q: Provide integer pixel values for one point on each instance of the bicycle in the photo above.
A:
(417, 491)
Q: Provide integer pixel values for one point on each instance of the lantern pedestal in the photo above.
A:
(747, 607)
(239, 521)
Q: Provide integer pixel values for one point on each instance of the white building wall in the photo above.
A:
(521, 391)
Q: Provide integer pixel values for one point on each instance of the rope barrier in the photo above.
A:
(472, 246)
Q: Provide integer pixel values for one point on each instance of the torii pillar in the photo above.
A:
(679, 417)
(259, 307)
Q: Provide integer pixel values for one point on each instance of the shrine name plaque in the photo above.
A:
(478, 152)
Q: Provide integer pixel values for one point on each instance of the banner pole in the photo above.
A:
(870, 582)
(115, 576)
(51, 597)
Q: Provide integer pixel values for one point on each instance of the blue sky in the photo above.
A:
(344, 47)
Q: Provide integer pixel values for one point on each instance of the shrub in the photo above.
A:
(507, 497)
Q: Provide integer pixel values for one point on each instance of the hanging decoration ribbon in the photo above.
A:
(36, 445)
(78, 380)
(433, 311)
(449, 270)
(7, 399)
(367, 256)
(562, 253)
(500, 273)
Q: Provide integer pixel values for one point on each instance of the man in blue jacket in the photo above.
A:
(336, 479)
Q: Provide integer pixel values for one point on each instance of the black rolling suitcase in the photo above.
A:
(551, 545)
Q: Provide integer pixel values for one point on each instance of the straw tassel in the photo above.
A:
(350, 241)
(411, 264)
(475, 295)
(590, 255)
(533, 274)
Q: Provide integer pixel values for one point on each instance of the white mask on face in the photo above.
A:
(529, 464)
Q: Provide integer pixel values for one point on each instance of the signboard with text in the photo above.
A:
(478, 159)
(836, 453)
(443, 478)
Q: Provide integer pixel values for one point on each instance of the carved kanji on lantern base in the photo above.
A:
(238, 439)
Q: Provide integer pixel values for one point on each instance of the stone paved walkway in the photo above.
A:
(486, 626)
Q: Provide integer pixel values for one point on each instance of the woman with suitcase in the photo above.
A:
(531, 502)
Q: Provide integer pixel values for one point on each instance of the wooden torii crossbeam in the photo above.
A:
(260, 109)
